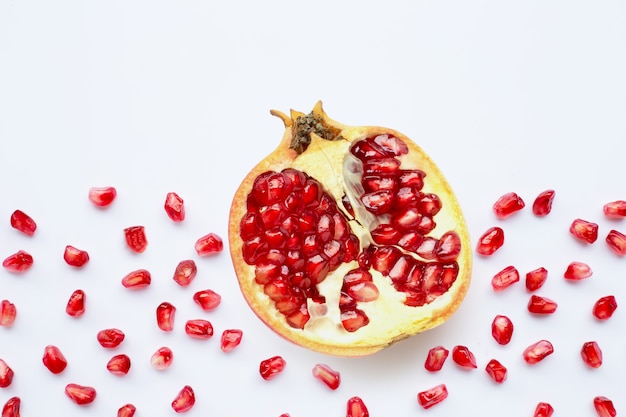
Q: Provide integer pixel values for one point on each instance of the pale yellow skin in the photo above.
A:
(390, 319)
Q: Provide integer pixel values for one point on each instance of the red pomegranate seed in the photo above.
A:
(175, 207)
(162, 358)
(136, 238)
(463, 357)
(102, 196)
(165, 314)
(435, 358)
(80, 394)
(119, 364)
(615, 209)
(617, 242)
(110, 338)
(490, 241)
(20, 261)
(496, 371)
(6, 374)
(209, 244)
(76, 304)
(23, 222)
(271, 367)
(604, 407)
(432, 396)
(356, 408)
(208, 300)
(127, 410)
(8, 312)
(543, 203)
(136, 280)
(584, 230)
(505, 278)
(537, 352)
(543, 410)
(577, 271)
(185, 272)
(541, 305)
(604, 308)
(536, 278)
(327, 375)
(231, 338)
(591, 354)
(184, 400)
(53, 359)
(284, 415)
(12, 407)
(508, 204)
(502, 329)
(75, 257)
(199, 329)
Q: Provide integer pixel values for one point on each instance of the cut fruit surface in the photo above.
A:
(348, 239)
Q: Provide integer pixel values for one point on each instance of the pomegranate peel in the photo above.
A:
(364, 182)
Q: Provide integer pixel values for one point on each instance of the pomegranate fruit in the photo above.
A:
(348, 239)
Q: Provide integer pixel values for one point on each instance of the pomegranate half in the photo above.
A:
(348, 239)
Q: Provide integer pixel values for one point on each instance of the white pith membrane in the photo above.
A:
(390, 319)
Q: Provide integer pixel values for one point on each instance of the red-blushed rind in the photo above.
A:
(407, 321)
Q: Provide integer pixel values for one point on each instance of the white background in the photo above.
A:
(159, 96)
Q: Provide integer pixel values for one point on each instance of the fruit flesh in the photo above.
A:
(329, 162)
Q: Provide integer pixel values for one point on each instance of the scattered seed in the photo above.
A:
(20, 261)
(591, 354)
(432, 396)
(355, 407)
(541, 305)
(127, 410)
(209, 245)
(490, 241)
(110, 338)
(162, 358)
(542, 206)
(577, 271)
(119, 364)
(507, 205)
(584, 231)
(271, 367)
(435, 358)
(543, 410)
(23, 222)
(537, 352)
(8, 313)
(12, 407)
(231, 338)
(53, 359)
(615, 209)
(502, 329)
(185, 272)
(536, 278)
(199, 329)
(175, 207)
(208, 300)
(184, 400)
(6, 374)
(138, 279)
(136, 238)
(75, 257)
(76, 304)
(604, 407)
(496, 371)
(463, 357)
(327, 375)
(604, 308)
(505, 278)
(80, 394)
(102, 196)
(617, 242)
(165, 314)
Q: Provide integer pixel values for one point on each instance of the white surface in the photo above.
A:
(165, 96)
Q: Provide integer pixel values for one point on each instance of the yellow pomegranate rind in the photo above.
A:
(390, 319)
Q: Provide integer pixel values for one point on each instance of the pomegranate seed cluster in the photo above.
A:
(295, 234)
